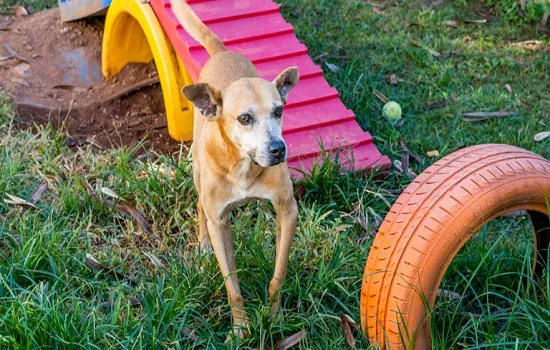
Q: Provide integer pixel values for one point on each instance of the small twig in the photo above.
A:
(134, 87)
(474, 315)
(439, 104)
(36, 108)
(133, 212)
(479, 116)
(381, 96)
(416, 157)
(36, 196)
(13, 53)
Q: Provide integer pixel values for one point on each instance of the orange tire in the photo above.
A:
(429, 223)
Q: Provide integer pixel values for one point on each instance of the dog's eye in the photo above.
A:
(244, 119)
(278, 111)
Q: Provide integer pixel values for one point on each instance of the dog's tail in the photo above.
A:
(194, 26)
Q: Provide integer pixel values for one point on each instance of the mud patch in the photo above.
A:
(53, 72)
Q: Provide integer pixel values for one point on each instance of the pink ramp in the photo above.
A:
(314, 118)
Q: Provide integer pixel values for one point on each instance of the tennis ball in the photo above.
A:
(392, 111)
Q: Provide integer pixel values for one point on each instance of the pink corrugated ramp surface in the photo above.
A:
(315, 118)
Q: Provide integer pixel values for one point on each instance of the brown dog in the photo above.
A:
(238, 154)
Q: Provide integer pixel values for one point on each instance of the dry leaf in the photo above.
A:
(332, 67)
(377, 10)
(18, 201)
(190, 333)
(434, 3)
(381, 6)
(107, 191)
(479, 116)
(377, 219)
(351, 321)
(434, 153)
(448, 294)
(393, 79)
(431, 51)
(398, 165)
(350, 339)
(452, 23)
(154, 260)
(36, 196)
(508, 88)
(381, 96)
(476, 21)
(290, 341)
(70, 88)
(542, 135)
(162, 169)
(20, 11)
(532, 45)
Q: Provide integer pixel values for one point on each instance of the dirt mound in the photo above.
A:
(53, 72)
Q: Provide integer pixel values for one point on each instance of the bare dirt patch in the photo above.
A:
(53, 72)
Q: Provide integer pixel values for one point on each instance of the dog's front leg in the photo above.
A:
(287, 215)
(222, 244)
(204, 238)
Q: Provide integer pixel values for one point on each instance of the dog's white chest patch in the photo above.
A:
(246, 188)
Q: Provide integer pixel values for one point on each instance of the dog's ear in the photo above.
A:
(204, 97)
(286, 81)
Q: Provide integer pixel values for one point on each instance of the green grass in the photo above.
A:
(31, 5)
(49, 298)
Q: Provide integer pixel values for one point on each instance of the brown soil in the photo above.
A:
(56, 76)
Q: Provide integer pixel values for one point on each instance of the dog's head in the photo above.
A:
(250, 111)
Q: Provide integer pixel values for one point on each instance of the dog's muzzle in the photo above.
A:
(276, 154)
(277, 151)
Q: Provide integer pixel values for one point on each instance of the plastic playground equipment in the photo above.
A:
(429, 223)
(315, 118)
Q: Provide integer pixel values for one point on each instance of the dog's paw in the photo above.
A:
(206, 249)
(274, 310)
(238, 333)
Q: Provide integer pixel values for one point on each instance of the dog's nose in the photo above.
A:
(277, 148)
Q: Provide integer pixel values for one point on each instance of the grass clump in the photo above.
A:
(50, 298)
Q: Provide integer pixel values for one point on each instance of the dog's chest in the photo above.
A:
(246, 187)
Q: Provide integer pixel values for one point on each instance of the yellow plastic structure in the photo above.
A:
(133, 34)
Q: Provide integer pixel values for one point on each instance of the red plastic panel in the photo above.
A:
(315, 119)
